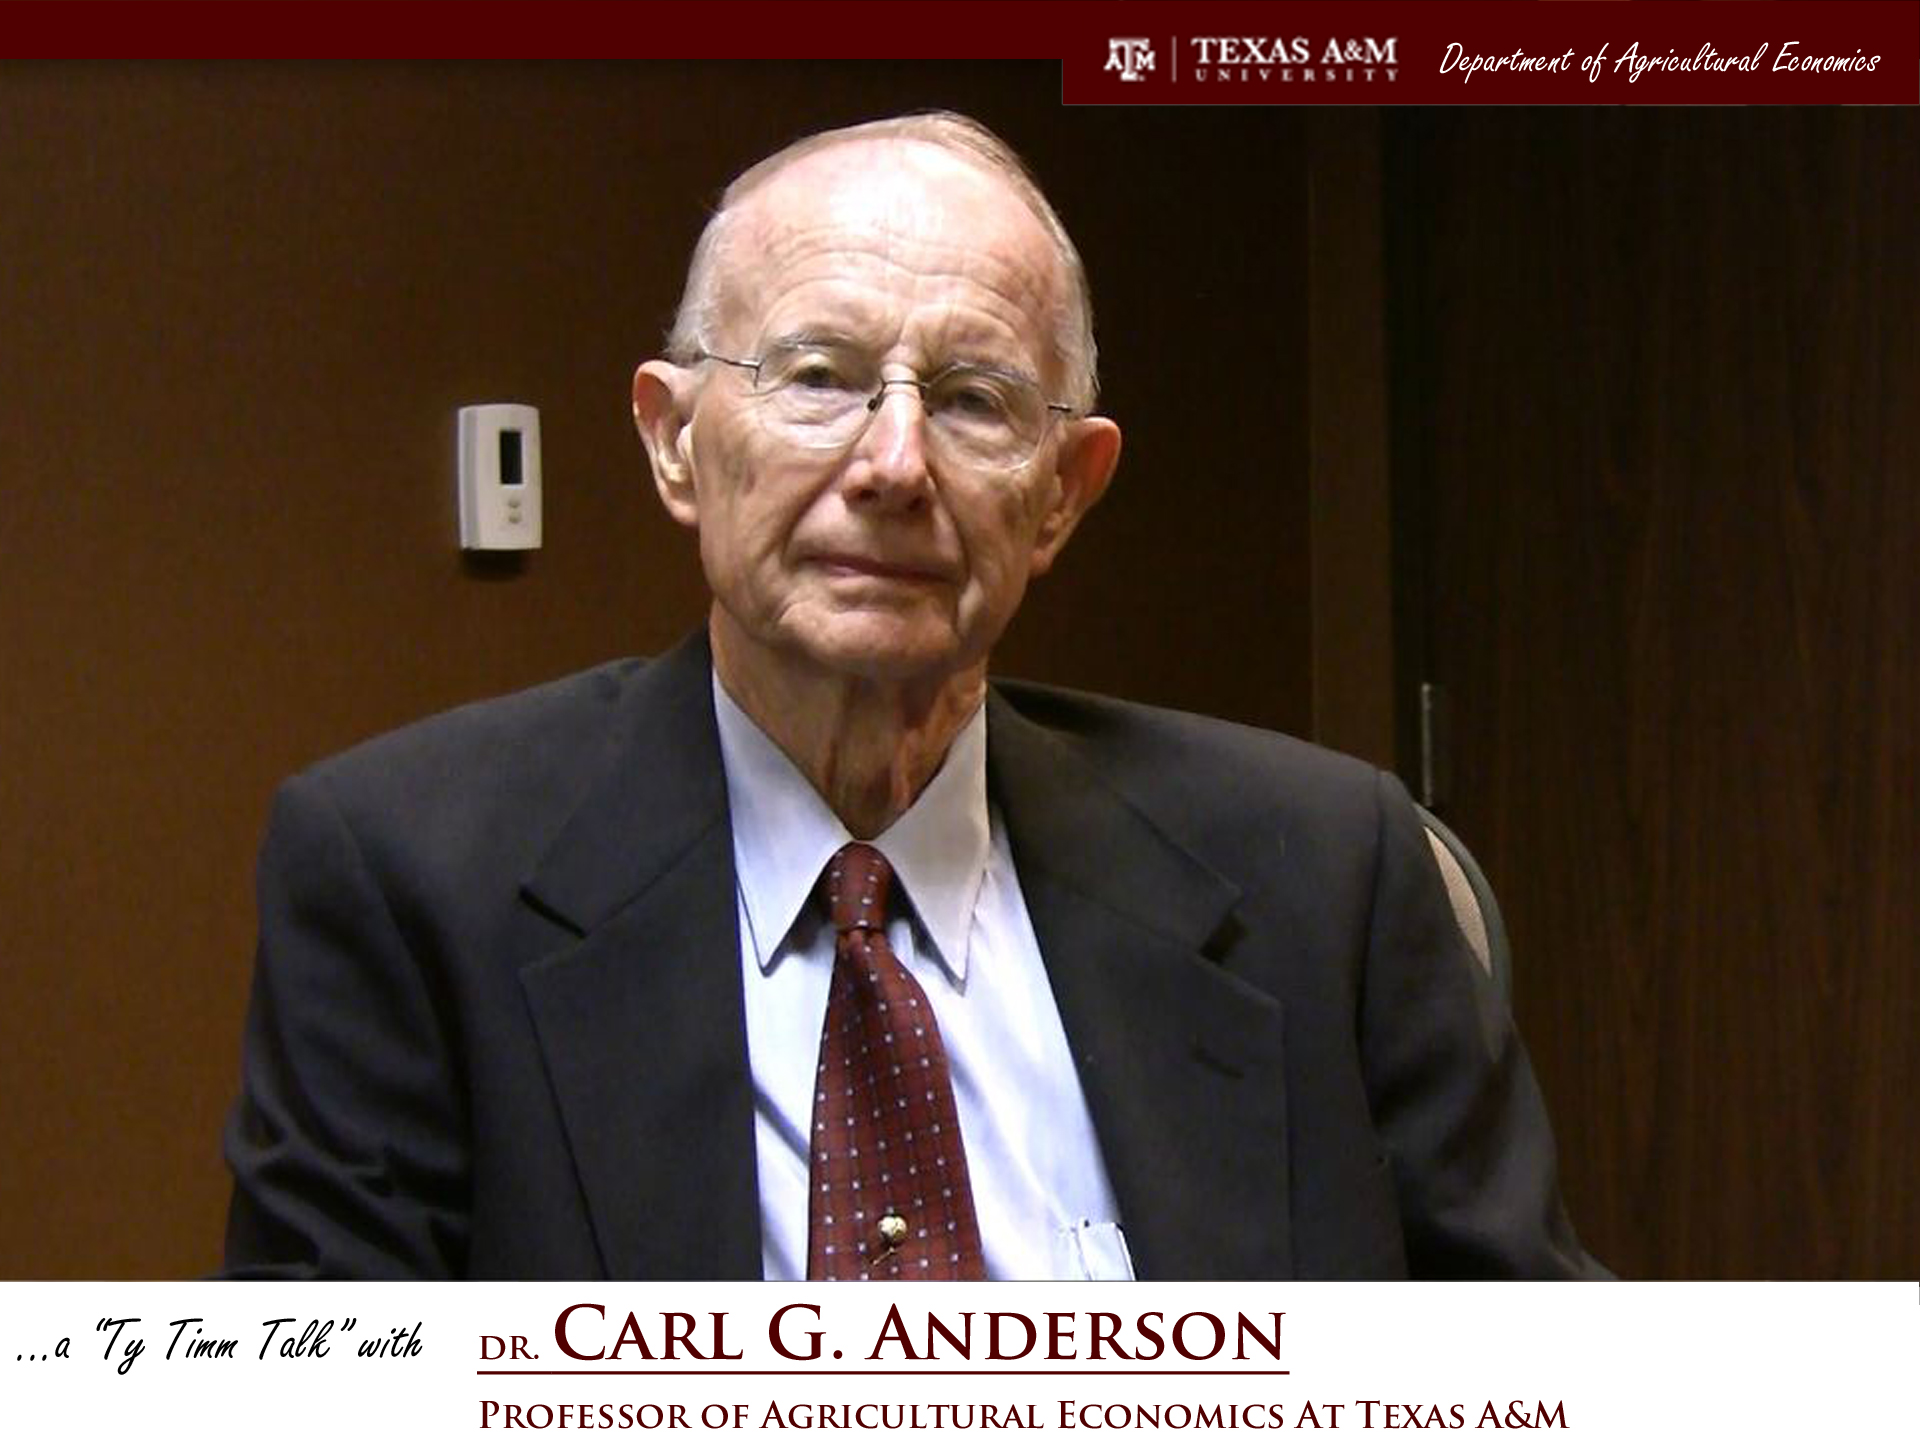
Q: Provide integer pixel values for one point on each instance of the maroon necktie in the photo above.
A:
(889, 1198)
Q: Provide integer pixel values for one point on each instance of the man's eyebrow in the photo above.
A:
(809, 335)
(970, 354)
(991, 365)
(979, 349)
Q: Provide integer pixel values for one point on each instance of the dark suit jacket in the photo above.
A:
(497, 1031)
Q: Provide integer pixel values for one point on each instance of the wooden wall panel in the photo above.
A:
(1657, 434)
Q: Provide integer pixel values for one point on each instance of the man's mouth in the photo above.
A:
(906, 571)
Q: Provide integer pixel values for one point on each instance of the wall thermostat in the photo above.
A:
(499, 477)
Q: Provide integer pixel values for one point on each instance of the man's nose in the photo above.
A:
(891, 458)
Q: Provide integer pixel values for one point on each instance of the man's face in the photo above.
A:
(878, 559)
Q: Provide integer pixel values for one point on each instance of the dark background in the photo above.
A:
(1603, 421)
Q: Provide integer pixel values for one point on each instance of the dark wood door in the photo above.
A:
(1656, 439)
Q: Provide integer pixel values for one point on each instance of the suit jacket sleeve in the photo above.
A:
(1455, 1102)
(347, 1144)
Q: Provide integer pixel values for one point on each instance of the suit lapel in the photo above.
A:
(641, 1021)
(1180, 1061)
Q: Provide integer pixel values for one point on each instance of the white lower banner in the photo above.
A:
(1146, 1360)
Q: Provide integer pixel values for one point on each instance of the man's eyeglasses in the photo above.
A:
(821, 396)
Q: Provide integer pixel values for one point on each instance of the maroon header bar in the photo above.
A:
(1738, 52)
(1122, 52)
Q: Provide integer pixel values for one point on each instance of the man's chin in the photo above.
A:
(879, 649)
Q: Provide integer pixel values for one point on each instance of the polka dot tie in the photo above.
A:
(889, 1198)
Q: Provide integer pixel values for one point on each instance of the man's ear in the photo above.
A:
(1082, 467)
(663, 395)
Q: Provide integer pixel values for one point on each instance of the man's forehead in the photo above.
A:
(874, 193)
(858, 181)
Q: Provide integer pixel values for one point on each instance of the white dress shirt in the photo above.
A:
(1040, 1189)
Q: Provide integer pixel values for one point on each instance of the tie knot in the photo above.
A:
(856, 884)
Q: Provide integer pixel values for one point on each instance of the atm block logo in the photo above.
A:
(1133, 58)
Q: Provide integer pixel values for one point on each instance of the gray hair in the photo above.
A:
(959, 134)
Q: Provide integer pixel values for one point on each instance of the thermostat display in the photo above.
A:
(499, 477)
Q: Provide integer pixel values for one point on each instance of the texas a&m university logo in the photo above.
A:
(1132, 58)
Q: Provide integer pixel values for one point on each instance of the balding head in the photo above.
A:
(724, 246)
(871, 420)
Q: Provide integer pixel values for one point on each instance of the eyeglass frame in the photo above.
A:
(1053, 407)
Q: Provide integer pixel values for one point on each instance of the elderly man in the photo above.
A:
(803, 951)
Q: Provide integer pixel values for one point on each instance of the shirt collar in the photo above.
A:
(784, 834)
